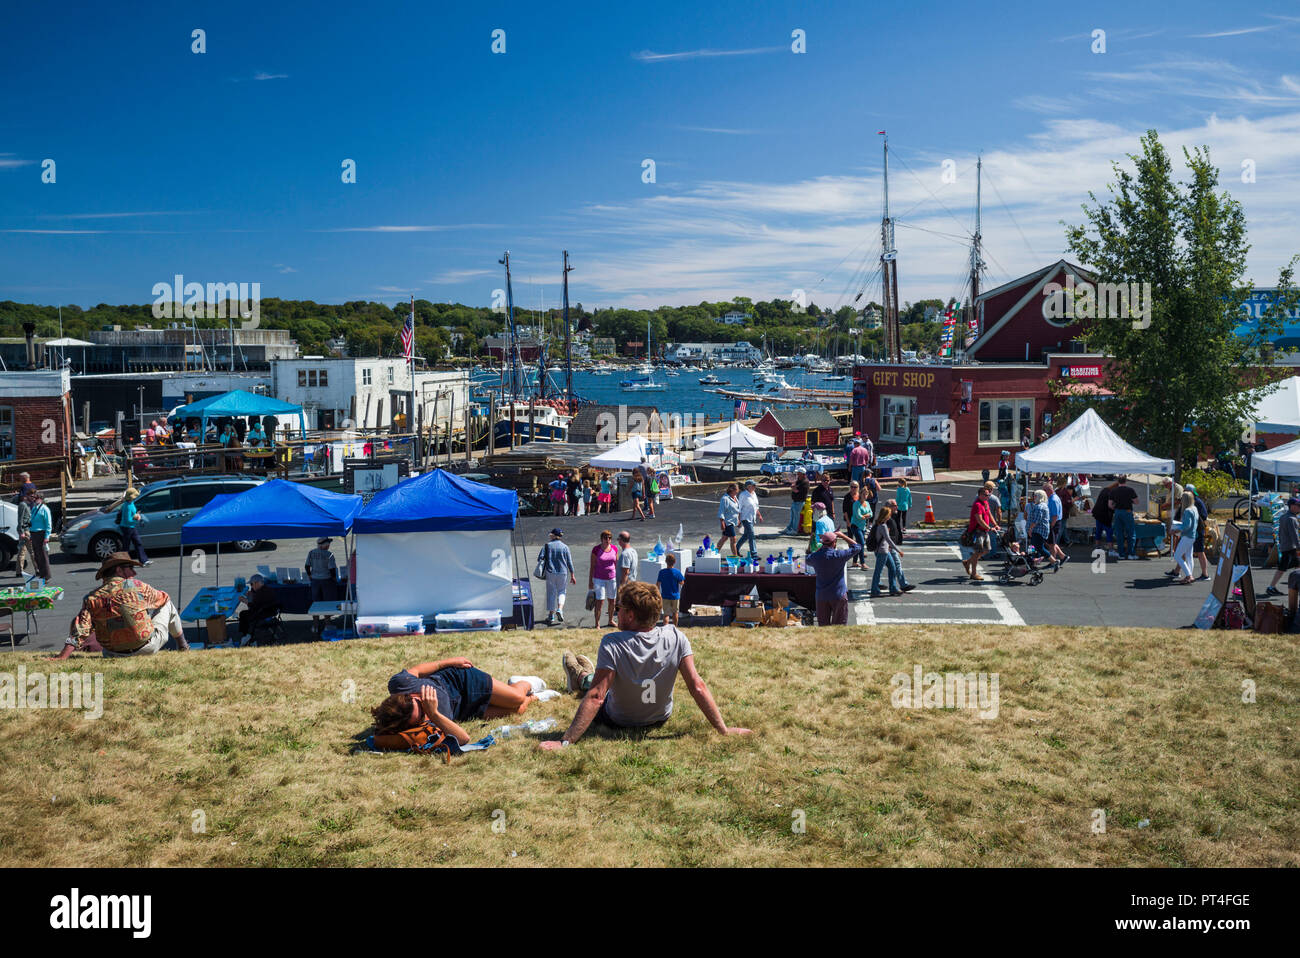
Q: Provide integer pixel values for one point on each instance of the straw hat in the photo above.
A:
(112, 562)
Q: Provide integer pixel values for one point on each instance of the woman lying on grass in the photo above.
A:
(450, 691)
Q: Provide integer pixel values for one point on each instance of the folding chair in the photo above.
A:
(6, 610)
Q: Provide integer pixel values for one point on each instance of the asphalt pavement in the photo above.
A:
(1083, 592)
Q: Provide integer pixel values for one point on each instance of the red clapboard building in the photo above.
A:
(805, 428)
(35, 424)
(997, 391)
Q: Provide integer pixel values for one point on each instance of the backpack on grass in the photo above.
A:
(425, 737)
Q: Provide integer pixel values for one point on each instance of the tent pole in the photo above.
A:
(180, 583)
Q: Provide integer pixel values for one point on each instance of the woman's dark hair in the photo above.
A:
(393, 714)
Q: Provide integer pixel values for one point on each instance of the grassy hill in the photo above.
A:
(1148, 725)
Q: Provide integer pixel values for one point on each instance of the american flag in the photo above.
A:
(741, 407)
(408, 333)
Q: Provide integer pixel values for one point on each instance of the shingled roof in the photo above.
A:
(587, 421)
(805, 418)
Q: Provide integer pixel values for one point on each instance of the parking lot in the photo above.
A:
(1083, 592)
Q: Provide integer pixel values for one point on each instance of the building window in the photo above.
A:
(1003, 420)
(365, 377)
(311, 377)
(302, 377)
(7, 432)
(324, 377)
(898, 418)
(390, 374)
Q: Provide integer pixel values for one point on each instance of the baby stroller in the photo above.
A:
(1019, 564)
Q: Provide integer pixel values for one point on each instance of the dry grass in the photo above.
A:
(1146, 724)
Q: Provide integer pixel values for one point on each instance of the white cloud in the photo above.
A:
(270, 76)
(649, 56)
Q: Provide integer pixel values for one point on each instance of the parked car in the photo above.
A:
(165, 506)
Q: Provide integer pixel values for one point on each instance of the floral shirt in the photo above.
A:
(118, 612)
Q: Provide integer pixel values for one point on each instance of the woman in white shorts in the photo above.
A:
(602, 572)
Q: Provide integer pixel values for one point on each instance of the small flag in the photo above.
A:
(408, 333)
(741, 407)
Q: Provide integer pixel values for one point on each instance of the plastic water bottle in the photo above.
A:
(538, 726)
(506, 731)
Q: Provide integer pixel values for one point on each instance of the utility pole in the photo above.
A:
(976, 263)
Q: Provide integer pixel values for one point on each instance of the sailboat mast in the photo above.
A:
(889, 273)
(512, 345)
(976, 260)
(568, 341)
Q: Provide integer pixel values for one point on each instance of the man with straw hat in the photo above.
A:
(128, 616)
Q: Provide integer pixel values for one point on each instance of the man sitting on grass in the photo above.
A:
(632, 686)
(126, 615)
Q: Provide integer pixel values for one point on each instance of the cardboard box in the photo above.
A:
(744, 614)
(780, 600)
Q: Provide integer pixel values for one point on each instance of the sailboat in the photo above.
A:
(645, 383)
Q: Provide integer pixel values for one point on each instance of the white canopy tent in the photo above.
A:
(1279, 411)
(735, 436)
(1088, 445)
(1282, 461)
(626, 455)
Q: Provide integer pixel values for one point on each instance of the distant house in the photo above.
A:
(612, 424)
(696, 353)
(735, 318)
(800, 428)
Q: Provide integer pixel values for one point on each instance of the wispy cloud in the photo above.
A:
(1233, 33)
(398, 289)
(285, 269)
(270, 76)
(408, 229)
(8, 160)
(649, 56)
(459, 275)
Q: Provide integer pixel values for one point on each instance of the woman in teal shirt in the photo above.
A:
(42, 526)
(903, 495)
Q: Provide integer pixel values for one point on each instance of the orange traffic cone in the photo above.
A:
(929, 510)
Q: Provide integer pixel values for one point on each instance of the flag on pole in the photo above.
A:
(408, 333)
(741, 407)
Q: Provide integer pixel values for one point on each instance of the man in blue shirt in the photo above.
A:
(832, 593)
(670, 587)
(1056, 523)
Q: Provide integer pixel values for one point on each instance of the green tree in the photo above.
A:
(1177, 360)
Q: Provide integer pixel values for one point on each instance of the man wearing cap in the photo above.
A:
(822, 493)
(127, 616)
(832, 591)
(1288, 543)
(749, 514)
(557, 564)
(822, 524)
(322, 570)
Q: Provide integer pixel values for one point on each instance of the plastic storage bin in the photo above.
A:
(477, 620)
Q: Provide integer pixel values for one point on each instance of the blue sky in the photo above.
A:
(225, 166)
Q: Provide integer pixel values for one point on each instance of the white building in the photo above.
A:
(694, 353)
(735, 318)
(368, 392)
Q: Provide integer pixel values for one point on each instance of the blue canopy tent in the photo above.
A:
(277, 509)
(439, 501)
(436, 543)
(239, 402)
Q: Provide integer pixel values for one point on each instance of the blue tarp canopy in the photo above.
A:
(273, 510)
(439, 502)
(239, 402)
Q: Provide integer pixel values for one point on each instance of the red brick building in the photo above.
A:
(805, 428)
(35, 422)
(998, 390)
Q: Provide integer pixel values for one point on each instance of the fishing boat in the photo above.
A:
(644, 387)
(712, 380)
(539, 423)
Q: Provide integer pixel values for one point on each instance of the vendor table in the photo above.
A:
(215, 605)
(1150, 536)
(27, 602)
(707, 588)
